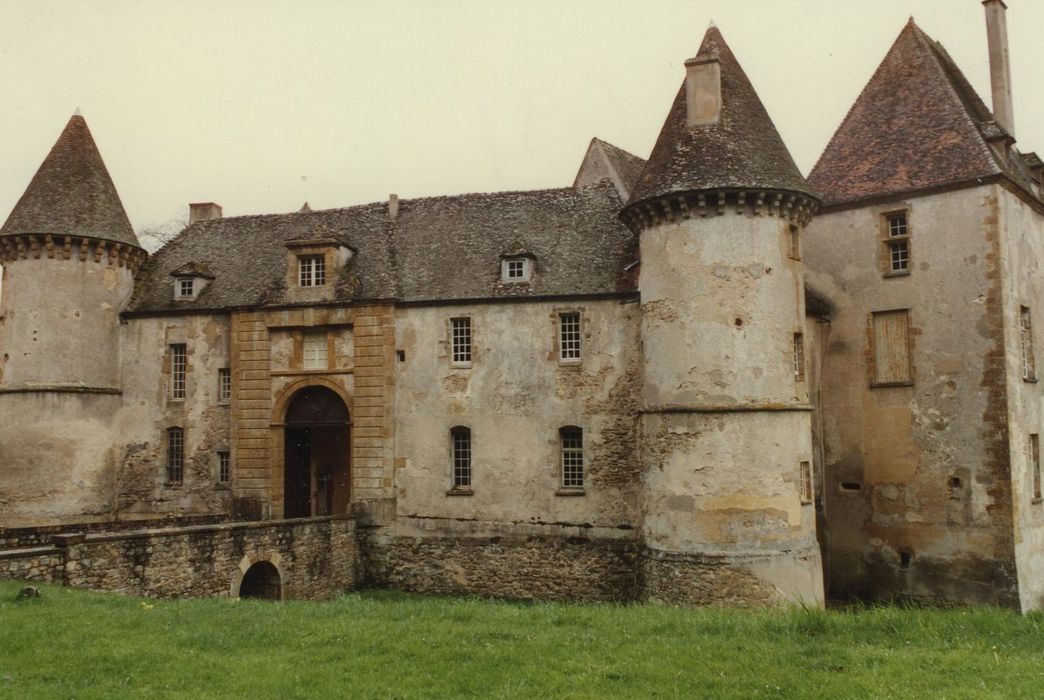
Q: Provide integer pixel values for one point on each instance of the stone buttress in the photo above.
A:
(726, 424)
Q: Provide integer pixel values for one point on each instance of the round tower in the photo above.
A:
(69, 256)
(726, 422)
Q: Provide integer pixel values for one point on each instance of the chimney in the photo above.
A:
(1000, 67)
(393, 206)
(203, 211)
(703, 90)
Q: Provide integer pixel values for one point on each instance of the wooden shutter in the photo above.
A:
(891, 335)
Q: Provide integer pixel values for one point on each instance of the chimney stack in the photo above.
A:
(393, 206)
(1000, 67)
(203, 211)
(703, 90)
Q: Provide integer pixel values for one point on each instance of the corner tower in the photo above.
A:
(69, 256)
(726, 428)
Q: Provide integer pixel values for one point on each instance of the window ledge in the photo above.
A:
(460, 365)
(169, 485)
(460, 492)
(570, 492)
(886, 385)
(1037, 501)
(897, 273)
(1030, 380)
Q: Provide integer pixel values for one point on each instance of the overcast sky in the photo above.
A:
(260, 105)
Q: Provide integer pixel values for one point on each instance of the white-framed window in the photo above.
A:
(1035, 466)
(805, 475)
(224, 467)
(1029, 363)
(569, 349)
(515, 269)
(315, 353)
(311, 270)
(178, 369)
(460, 456)
(186, 288)
(799, 357)
(224, 385)
(460, 337)
(571, 439)
(175, 455)
(897, 242)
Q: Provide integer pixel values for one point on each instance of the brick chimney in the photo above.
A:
(1000, 67)
(203, 211)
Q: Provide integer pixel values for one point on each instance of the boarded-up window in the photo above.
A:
(891, 347)
(315, 350)
(1029, 364)
(1035, 464)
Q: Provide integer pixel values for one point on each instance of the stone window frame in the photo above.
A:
(799, 360)
(461, 447)
(313, 268)
(1029, 358)
(174, 449)
(561, 340)
(805, 481)
(224, 385)
(571, 456)
(458, 328)
(895, 233)
(556, 335)
(322, 338)
(872, 350)
(1035, 475)
(178, 374)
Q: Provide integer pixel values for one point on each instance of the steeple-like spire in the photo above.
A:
(72, 193)
(732, 143)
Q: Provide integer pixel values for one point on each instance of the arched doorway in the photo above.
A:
(261, 581)
(316, 454)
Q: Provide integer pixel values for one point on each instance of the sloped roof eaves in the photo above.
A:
(437, 248)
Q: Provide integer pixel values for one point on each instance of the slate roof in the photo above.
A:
(742, 150)
(628, 165)
(437, 248)
(918, 124)
(72, 193)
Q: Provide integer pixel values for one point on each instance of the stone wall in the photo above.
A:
(316, 558)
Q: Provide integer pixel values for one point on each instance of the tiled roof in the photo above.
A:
(742, 150)
(604, 160)
(72, 193)
(437, 248)
(918, 124)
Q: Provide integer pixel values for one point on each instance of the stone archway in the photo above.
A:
(262, 581)
(316, 453)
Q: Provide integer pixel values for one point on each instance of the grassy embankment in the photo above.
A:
(75, 644)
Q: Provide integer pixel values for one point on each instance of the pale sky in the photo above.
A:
(260, 105)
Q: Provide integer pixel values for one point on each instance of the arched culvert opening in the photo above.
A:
(261, 581)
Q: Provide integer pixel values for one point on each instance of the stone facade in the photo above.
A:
(698, 378)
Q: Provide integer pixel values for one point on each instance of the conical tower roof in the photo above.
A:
(917, 125)
(72, 193)
(742, 150)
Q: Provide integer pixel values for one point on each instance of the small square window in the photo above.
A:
(186, 288)
(461, 340)
(311, 270)
(224, 385)
(515, 270)
(897, 224)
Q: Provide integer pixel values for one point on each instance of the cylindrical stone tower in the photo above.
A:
(726, 422)
(69, 256)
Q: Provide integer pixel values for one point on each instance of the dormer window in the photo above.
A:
(515, 269)
(190, 280)
(186, 288)
(311, 270)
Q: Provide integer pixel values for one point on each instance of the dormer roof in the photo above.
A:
(740, 150)
(72, 193)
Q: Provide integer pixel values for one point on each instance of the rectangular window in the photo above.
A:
(311, 270)
(315, 355)
(224, 384)
(516, 269)
(178, 368)
(799, 357)
(461, 330)
(572, 441)
(186, 288)
(891, 347)
(1035, 465)
(175, 455)
(1029, 364)
(224, 467)
(806, 482)
(898, 243)
(460, 439)
(569, 335)
(794, 243)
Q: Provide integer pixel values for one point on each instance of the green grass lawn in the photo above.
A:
(75, 644)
